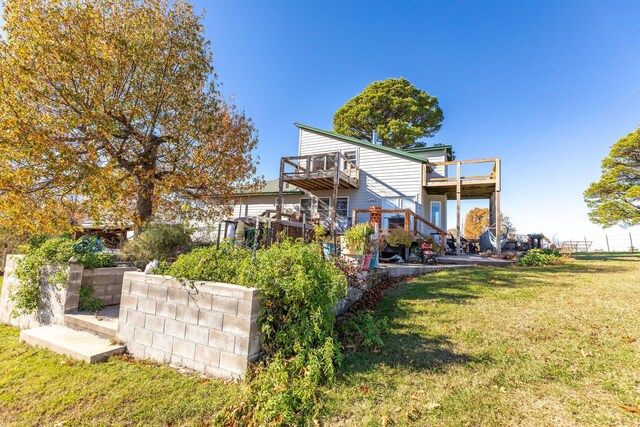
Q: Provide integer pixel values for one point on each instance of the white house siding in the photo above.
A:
(256, 205)
(381, 174)
(435, 156)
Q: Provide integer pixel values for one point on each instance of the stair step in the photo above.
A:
(103, 326)
(75, 344)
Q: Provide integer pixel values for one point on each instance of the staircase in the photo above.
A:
(84, 335)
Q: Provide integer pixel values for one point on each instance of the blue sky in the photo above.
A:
(546, 86)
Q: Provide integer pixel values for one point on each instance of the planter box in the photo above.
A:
(54, 303)
(212, 327)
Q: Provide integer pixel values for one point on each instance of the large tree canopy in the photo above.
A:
(109, 111)
(398, 111)
(615, 199)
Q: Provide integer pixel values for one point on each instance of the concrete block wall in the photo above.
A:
(54, 302)
(106, 283)
(212, 327)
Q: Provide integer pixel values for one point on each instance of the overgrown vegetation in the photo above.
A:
(363, 331)
(299, 289)
(540, 257)
(162, 242)
(47, 260)
(87, 302)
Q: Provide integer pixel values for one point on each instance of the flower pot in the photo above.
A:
(375, 260)
(328, 249)
(367, 262)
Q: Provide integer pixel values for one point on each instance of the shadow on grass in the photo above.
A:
(411, 344)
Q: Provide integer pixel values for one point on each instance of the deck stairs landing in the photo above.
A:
(84, 336)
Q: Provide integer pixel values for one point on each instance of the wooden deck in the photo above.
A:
(319, 172)
(471, 186)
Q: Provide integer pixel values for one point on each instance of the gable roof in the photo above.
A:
(388, 150)
(271, 188)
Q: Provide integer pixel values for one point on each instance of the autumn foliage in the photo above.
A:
(109, 110)
(476, 223)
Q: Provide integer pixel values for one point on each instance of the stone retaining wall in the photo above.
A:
(212, 327)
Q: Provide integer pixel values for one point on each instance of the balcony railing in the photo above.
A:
(320, 171)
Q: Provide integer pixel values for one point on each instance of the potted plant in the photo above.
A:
(324, 238)
(377, 242)
(356, 239)
(400, 238)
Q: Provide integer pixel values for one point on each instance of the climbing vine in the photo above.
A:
(47, 261)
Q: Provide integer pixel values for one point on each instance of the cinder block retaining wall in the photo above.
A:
(106, 283)
(54, 303)
(211, 328)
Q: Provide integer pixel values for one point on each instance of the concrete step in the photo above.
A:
(74, 344)
(104, 325)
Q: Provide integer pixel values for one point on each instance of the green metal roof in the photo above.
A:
(271, 188)
(389, 150)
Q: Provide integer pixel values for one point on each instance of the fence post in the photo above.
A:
(586, 248)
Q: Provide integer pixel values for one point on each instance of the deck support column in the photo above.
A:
(280, 190)
(334, 200)
(458, 189)
(498, 213)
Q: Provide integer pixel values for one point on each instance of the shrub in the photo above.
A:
(363, 331)
(163, 242)
(87, 302)
(47, 261)
(399, 237)
(540, 257)
(212, 264)
(299, 291)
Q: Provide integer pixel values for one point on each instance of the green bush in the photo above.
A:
(211, 264)
(299, 291)
(540, 257)
(47, 260)
(163, 242)
(362, 330)
(87, 302)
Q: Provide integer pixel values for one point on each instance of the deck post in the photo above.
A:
(334, 200)
(280, 190)
(498, 213)
(458, 189)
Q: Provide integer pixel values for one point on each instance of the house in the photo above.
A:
(411, 187)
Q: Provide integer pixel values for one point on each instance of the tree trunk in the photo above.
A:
(144, 203)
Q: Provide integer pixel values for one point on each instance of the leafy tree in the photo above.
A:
(475, 223)
(615, 198)
(109, 110)
(398, 111)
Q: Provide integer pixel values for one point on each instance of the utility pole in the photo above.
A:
(631, 240)
(607, 237)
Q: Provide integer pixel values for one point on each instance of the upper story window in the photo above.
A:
(352, 156)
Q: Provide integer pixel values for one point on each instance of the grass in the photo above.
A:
(517, 346)
(481, 346)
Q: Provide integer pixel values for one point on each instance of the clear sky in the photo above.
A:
(548, 86)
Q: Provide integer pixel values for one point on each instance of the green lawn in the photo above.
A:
(537, 346)
(483, 346)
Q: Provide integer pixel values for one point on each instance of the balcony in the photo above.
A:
(320, 171)
(473, 179)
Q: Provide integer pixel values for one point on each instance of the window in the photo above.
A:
(435, 213)
(352, 156)
(323, 207)
(342, 207)
(305, 207)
